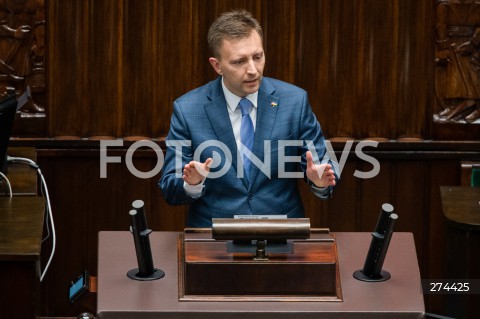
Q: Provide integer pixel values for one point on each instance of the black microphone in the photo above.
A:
(140, 232)
(372, 269)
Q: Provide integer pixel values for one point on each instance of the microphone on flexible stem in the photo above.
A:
(372, 269)
(140, 231)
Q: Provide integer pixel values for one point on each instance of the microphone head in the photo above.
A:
(387, 208)
(138, 204)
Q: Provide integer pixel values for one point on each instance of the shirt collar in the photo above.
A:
(233, 100)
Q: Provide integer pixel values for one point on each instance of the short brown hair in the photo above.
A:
(236, 24)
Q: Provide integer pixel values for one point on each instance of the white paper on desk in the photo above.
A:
(260, 216)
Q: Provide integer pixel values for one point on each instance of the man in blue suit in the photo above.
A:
(238, 144)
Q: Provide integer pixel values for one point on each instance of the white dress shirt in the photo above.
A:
(235, 115)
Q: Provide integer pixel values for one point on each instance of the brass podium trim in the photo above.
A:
(205, 236)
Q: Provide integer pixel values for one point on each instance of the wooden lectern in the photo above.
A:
(240, 267)
(400, 297)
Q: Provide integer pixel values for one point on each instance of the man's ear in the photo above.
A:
(215, 64)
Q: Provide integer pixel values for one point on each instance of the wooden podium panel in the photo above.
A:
(120, 297)
(208, 272)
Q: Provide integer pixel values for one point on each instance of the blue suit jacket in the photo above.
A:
(200, 118)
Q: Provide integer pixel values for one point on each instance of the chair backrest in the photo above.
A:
(470, 174)
(475, 179)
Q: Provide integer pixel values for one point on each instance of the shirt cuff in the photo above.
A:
(322, 192)
(194, 191)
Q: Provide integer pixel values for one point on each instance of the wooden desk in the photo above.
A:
(21, 226)
(23, 178)
(461, 206)
(121, 297)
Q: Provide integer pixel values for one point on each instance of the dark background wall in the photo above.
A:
(367, 65)
(113, 69)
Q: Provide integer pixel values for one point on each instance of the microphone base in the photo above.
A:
(384, 275)
(134, 274)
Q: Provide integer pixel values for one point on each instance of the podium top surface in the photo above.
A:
(21, 227)
(461, 205)
(121, 297)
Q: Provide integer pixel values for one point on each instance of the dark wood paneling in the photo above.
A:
(67, 110)
(366, 65)
(115, 67)
(83, 204)
(342, 214)
(278, 19)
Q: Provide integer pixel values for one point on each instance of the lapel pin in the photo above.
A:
(273, 104)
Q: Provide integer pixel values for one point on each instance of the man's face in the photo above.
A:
(241, 64)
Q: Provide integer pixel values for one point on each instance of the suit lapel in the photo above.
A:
(218, 115)
(266, 114)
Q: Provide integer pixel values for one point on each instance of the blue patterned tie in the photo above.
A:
(246, 132)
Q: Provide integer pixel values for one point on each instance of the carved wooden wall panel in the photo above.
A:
(22, 53)
(456, 111)
(458, 61)
(23, 61)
